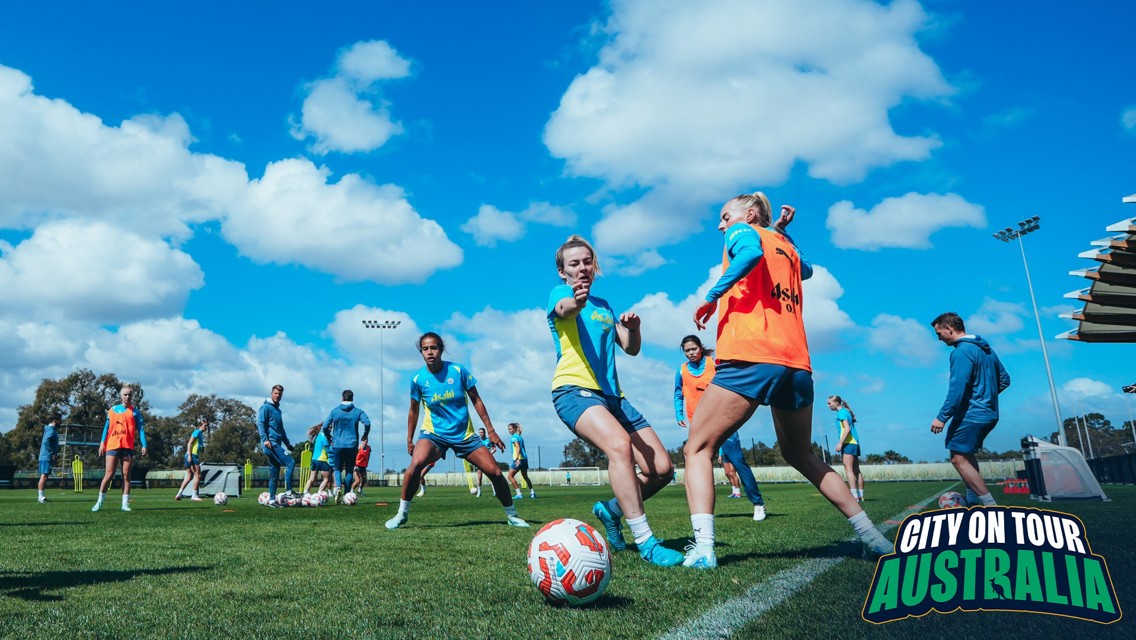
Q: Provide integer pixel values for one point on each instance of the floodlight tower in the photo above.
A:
(1030, 225)
(382, 325)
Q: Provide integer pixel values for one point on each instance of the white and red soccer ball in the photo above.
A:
(569, 562)
(350, 498)
(264, 498)
(220, 499)
(951, 500)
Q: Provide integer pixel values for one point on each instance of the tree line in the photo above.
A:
(82, 398)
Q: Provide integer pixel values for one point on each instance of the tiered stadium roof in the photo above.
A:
(1109, 314)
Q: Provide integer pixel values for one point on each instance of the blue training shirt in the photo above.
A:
(49, 446)
(845, 414)
(518, 444)
(585, 344)
(443, 396)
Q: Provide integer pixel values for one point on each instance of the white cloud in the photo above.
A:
(94, 271)
(1128, 119)
(676, 97)
(904, 222)
(492, 225)
(344, 112)
(1081, 388)
(57, 161)
(703, 99)
(908, 342)
(996, 318)
(352, 229)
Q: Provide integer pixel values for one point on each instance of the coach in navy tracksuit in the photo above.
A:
(270, 428)
(342, 430)
(977, 377)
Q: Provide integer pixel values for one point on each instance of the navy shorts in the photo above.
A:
(772, 384)
(122, 453)
(44, 466)
(192, 460)
(320, 466)
(520, 465)
(851, 450)
(571, 402)
(967, 437)
(463, 448)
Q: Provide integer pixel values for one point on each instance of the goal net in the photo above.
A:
(566, 476)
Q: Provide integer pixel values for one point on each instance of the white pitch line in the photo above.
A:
(727, 618)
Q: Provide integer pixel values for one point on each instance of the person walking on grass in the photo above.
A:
(270, 429)
(445, 390)
(848, 445)
(48, 450)
(588, 399)
(342, 431)
(318, 437)
(192, 460)
(763, 359)
(691, 381)
(971, 406)
(362, 459)
(123, 429)
(520, 463)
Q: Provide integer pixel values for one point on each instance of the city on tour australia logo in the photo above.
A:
(992, 559)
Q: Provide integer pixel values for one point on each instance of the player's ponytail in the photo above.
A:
(759, 203)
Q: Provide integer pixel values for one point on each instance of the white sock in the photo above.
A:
(511, 510)
(403, 506)
(614, 508)
(41, 494)
(703, 524)
(101, 496)
(986, 499)
(640, 530)
(195, 495)
(862, 523)
(125, 498)
(735, 489)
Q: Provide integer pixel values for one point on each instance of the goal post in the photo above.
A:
(567, 476)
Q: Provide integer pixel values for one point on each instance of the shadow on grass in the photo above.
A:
(749, 515)
(604, 603)
(39, 524)
(35, 586)
(533, 524)
(852, 550)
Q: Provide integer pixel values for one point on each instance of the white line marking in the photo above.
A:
(727, 618)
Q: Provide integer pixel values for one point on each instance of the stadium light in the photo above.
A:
(382, 325)
(1029, 225)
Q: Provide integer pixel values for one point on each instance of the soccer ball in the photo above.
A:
(951, 500)
(281, 499)
(306, 500)
(569, 562)
(321, 497)
(264, 498)
(472, 490)
(220, 499)
(350, 498)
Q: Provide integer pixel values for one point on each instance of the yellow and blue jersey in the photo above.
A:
(320, 448)
(585, 344)
(518, 444)
(195, 444)
(443, 396)
(845, 414)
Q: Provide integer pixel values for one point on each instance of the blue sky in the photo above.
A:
(210, 200)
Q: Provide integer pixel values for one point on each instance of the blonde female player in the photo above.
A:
(587, 397)
(848, 445)
(442, 389)
(123, 426)
(763, 358)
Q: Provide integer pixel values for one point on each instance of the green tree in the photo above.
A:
(579, 453)
(232, 437)
(888, 457)
(82, 398)
(1105, 439)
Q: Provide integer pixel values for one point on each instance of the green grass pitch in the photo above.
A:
(194, 570)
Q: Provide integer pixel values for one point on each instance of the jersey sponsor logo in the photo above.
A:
(791, 297)
(603, 318)
(440, 397)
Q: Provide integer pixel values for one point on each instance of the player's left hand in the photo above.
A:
(703, 312)
(630, 320)
(143, 450)
(937, 426)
